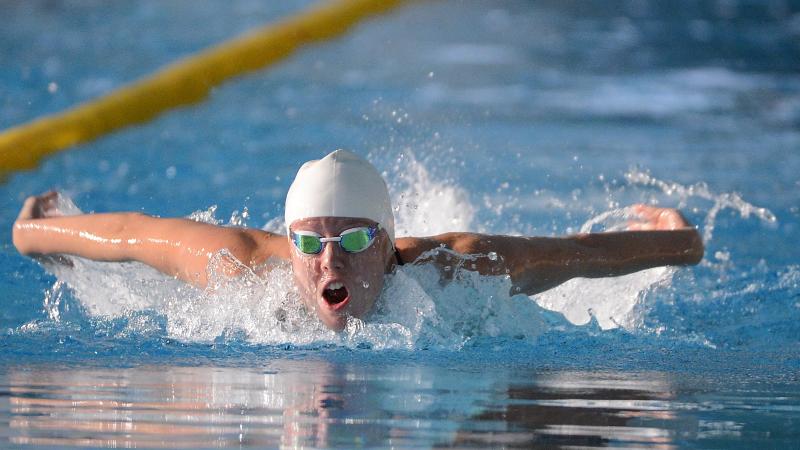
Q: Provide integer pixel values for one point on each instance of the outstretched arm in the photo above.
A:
(176, 247)
(662, 237)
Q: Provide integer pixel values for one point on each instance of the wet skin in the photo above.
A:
(182, 248)
(361, 274)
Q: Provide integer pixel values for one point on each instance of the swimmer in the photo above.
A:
(340, 241)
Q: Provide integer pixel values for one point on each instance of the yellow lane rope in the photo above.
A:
(182, 83)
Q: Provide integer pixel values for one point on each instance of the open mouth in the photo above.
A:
(335, 293)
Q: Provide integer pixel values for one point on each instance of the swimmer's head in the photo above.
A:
(340, 192)
(341, 184)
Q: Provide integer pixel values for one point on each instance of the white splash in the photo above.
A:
(611, 301)
(104, 289)
(726, 200)
(614, 302)
(416, 310)
(425, 206)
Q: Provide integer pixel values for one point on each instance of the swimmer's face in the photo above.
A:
(359, 274)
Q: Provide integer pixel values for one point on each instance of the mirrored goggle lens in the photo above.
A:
(355, 241)
(307, 244)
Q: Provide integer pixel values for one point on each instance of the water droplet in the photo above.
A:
(492, 256)
(365, 284)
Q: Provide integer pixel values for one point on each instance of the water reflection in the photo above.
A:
(315, 403)
(577, 409)
(174, 406)
(306, 403)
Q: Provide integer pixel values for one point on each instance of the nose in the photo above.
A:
(332, 257)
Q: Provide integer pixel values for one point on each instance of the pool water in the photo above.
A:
(541, 118)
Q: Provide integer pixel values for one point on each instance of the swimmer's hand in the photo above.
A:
(649, 218)
(40, 206)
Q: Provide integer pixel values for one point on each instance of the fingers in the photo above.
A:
(646, 218)
(646, 211)
(48, 204)
(26, 212)
(680, 221)
(669, 219)
(654, 218)
(38, 206)
(640, 226)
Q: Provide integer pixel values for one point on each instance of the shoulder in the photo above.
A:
(465, 243)
(410, 248)
(264, 245)
(460, 242)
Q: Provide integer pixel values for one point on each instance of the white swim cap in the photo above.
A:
(341, 184)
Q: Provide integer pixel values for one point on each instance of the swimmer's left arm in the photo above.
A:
(662, 237)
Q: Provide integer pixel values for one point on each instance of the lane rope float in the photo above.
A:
(182, 83)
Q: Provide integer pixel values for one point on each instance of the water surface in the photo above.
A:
(503, 117)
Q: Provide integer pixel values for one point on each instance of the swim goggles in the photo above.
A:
(352, 240)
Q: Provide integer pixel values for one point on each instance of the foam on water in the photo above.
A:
(727, 200)
(618, 302)
(415, 310)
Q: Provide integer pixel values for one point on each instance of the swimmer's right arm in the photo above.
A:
(177, 247)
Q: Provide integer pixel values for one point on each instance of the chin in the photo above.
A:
(336, 324)
(337, 321)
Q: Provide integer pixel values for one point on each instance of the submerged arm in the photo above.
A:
(536, 264)
(176, 247)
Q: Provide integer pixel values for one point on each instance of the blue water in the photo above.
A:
(505, 117)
